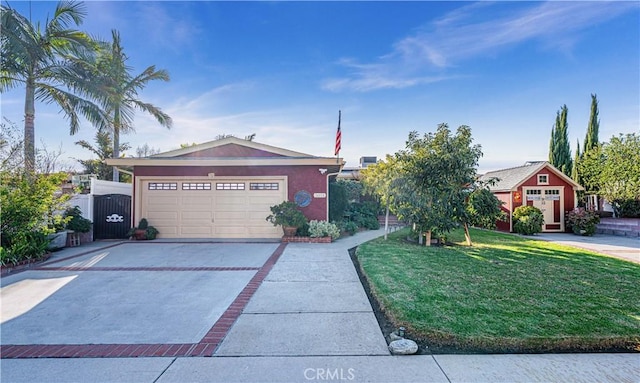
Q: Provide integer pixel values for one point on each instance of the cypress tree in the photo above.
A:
(591, 139)
(575, 174)
(559, 150)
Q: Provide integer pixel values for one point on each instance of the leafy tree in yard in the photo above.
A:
(38, 58)
(102, 150)
(559, 149)
(435, 170)
(107, 79)
(620, 175)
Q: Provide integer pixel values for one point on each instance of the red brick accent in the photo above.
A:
(92, 268)
(206, 347)
(286, 239)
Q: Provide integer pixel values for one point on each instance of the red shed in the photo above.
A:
(537, 184)
(224, 188)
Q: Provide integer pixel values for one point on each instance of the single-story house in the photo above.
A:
(537, 184)
(224, 188)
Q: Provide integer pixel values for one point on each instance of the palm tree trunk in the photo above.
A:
(116, 143)
(29, 128)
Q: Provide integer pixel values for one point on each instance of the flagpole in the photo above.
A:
(338, 138)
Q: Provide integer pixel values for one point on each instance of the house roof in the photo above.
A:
(230, 151)
(510, 179)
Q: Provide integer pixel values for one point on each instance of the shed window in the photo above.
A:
(196, 186)
(263, 186)
(543, 179)
(163, 186)
(229, 186)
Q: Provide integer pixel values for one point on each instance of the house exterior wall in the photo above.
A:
(504, 197)
(306, 178)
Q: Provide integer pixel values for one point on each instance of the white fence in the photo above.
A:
(98, 187)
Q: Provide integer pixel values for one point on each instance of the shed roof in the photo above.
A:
(511, 178)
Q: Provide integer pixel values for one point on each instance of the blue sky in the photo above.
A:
(282, 70)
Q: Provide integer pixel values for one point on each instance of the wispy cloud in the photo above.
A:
(474, 30)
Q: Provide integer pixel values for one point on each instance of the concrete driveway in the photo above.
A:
(133, 299)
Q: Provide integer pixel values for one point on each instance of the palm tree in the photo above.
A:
(38, 57)
(107, 80)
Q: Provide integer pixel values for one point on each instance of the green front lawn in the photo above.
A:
(507, 293)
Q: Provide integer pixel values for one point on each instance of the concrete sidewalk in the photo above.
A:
(310, 320)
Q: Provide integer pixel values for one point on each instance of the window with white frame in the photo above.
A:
(230, 186)
(543, 179)
(196, 186)
(264, 186)
(163, 186)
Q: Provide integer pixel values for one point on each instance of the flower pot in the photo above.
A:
(289, 231)
(140, 235)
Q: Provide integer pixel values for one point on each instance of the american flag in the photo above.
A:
(338, 136)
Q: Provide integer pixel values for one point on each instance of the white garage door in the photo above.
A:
(212, 208)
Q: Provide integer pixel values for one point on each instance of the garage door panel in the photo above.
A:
(186, 213)
(196, 230)
(191, 200)
(162, 199)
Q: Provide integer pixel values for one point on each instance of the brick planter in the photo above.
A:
(286, 239)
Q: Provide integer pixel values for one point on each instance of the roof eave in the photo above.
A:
(251, 161)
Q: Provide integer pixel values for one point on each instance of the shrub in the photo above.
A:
(627, 208)
(286, 214)
(365, 214)
(338, 201)
(349, 227)
(318, 229)
(528, 220)
(77, 222)
(27, 205)
(24, 246)
(582, 222)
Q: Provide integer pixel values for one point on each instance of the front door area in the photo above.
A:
(549, 200)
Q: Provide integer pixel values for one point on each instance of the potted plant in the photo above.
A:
(76, 224)
(143, 231)
(287, 215)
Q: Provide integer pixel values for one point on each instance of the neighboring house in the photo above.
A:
(537, 184)
(224, 188)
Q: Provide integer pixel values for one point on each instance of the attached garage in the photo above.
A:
(203, 207)
(224, 188)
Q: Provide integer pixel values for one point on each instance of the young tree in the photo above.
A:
(559, 150)
(379, 179)
(107, 79)
(483, 209)
(38, 58)
(591, 139)
(435, 171)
